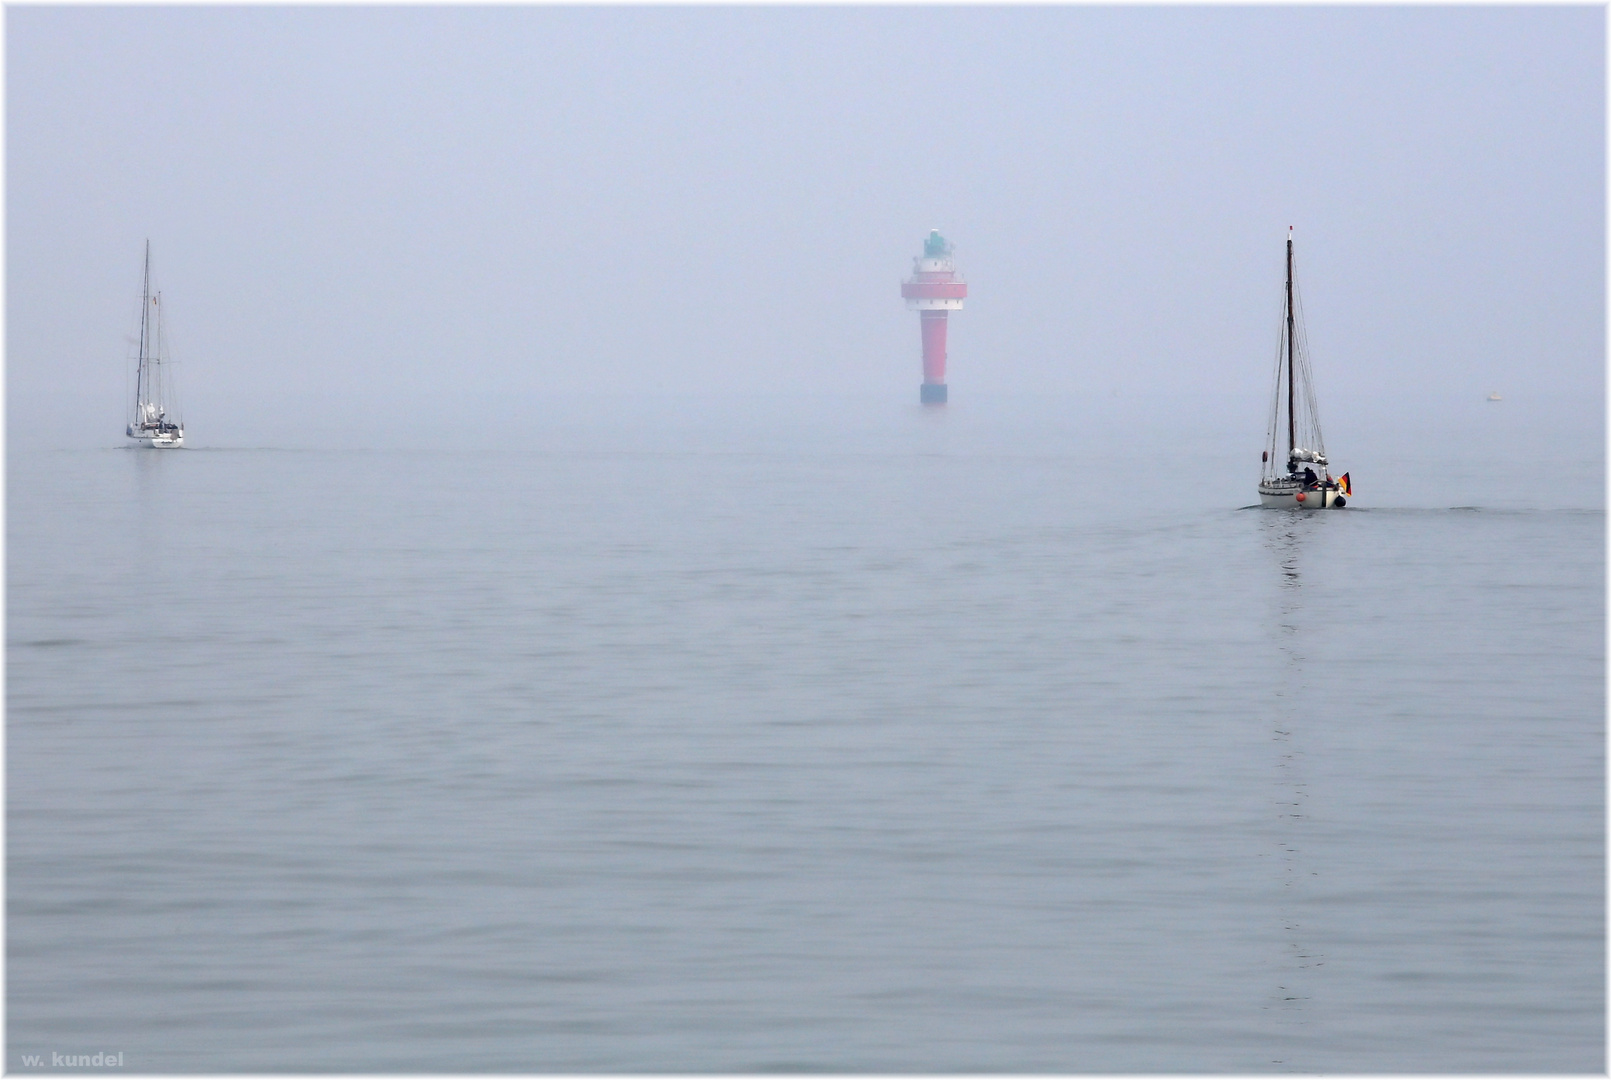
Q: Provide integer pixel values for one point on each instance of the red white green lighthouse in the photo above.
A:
(934, 291)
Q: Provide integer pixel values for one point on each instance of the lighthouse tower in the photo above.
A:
(936, 290)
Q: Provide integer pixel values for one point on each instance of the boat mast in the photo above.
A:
(145, 311)
(1292, 428)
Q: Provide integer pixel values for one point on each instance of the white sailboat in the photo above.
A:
(155, 394)
(1297, 473)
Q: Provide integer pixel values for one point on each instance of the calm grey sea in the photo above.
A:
(886, 741)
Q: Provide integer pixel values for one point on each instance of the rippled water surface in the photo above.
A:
(947, 747)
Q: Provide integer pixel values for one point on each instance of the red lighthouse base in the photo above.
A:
(933, 325)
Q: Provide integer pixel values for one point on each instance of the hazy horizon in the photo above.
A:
(375, 224)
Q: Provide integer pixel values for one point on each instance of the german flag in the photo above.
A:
(1342, 482)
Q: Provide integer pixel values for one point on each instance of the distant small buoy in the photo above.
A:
(1300, 496)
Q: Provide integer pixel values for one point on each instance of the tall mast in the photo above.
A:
(145, 312)
(1292, 428)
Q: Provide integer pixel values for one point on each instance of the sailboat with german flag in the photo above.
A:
(1297, 473)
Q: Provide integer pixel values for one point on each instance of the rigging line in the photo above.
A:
(172, 401)
(1311, 401)
(1274, 429)
(1272, 425)
(1311, 430)
(1276, 406)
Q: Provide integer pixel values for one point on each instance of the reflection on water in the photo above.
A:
(1296, 967)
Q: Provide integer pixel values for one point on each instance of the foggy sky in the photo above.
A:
(378, 215)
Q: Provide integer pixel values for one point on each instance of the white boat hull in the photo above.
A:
(165, 441)
(1288, 497)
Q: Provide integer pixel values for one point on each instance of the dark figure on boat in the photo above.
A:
(1309, 478)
